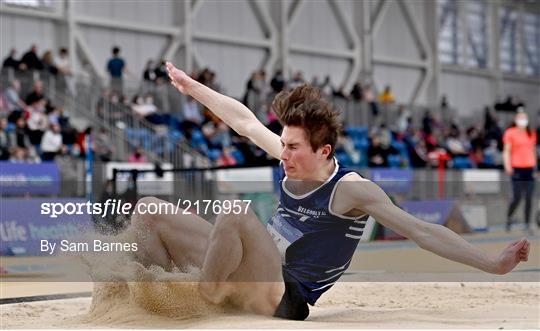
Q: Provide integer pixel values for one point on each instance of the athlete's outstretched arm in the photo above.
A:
(433, 237)
(233, 113)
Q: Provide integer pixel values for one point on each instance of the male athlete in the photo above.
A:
(309, 242)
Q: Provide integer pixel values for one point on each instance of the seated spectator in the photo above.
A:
(142, 108)
(15, 105)
(345, 144)
(51, 143)
(36, 94)
(11, 61)
(137, 156)
(19, 137)
(387, 96)
(216, 133)
(20, 155)
(377, 156)
(455, 145)
(30, 60)
(37, 121)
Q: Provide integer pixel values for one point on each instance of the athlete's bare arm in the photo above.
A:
(233, 113)
(370, 198)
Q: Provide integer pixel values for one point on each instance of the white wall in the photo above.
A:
(316, 27)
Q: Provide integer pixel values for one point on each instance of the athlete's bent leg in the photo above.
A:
(166, 239)
(242, 263)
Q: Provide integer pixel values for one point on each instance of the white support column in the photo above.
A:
(522, 42)
(188, 37)
(431, 15)
(494, 50)
(284, 37)
(70, 23)
(367, 40)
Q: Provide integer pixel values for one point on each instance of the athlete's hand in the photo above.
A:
(510, 257)
(178, 78)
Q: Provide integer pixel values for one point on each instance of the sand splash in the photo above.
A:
(127, 293)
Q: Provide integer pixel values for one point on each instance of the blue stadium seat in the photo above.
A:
(462, 162)
(214, 154)
(394, 161)
(238, 156)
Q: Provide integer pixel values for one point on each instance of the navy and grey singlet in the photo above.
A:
(316, 245)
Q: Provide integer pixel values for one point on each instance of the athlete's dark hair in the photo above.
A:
(305, 107)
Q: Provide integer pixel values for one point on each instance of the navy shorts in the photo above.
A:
(292, 306)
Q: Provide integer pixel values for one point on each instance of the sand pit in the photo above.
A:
(347, 305)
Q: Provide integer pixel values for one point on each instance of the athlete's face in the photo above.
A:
(299, 160)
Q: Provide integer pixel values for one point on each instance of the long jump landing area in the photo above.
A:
(388, 285)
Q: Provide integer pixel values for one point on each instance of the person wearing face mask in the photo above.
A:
(519, 157)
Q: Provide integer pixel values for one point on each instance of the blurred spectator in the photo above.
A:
(149, 77)
(81, 145)
(20, 136)
(326, 87)
(11, 61)
(428, 122)
(346, 145)
(217, 133)
(277, 82)
(403, 120)
(5, 140)
(387, 96)
(297, 80)
(20, 155)
(520, 161)
(137, 156)
(51, 143)
(103, 146)
(116, 68)
(37, 121)
(30, 60)
(36, 94)
(253, 97)
(226, 158)
(48, 63)
(369, 96)
(357, 92)
(161, 71)
(64, 69)
(377, 155)
(192, 113)
(14, 102)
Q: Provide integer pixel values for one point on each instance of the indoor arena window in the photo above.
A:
(509, 40)
(449, 36)
(531, 29)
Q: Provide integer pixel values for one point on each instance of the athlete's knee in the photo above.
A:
(227, 222)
